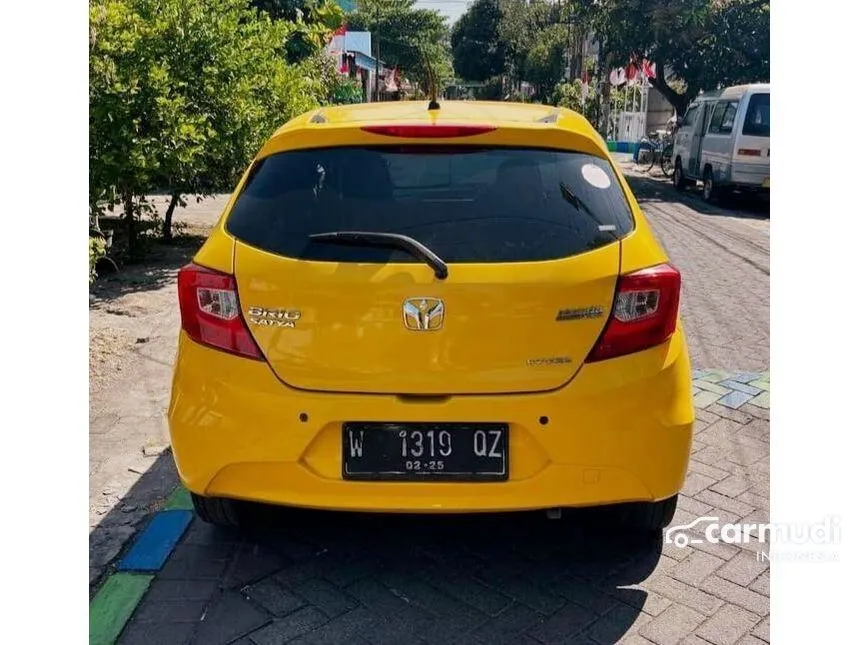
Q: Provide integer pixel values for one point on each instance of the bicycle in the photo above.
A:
(660, 147)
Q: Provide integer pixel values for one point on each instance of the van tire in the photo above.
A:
(678, 179)
(710, 191)
(217, 511)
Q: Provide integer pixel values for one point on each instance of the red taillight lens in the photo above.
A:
(645, 313)
(749, 152)
(209, 307)
(428, 131)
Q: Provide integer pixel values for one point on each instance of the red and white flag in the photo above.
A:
(616, 77)
(649, 68)
(632, 69)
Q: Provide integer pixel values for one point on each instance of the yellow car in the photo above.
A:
(453, 308)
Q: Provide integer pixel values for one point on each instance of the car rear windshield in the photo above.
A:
(757, 122)
(465, 204)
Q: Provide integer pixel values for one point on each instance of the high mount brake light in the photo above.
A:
(644, 314)
(209, 308)
(425, 131)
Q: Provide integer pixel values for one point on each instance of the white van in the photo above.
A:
(724, 141)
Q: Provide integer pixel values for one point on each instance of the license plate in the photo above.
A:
(425, 451)
(766, 183)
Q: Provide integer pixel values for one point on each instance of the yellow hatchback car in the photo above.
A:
(456, 309)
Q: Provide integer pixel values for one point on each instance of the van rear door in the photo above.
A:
(752, 146)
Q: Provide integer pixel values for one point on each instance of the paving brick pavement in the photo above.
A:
(724, 258)
(308, 577)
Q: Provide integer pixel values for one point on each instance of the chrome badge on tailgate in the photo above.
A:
(273, 317)
(579, 314)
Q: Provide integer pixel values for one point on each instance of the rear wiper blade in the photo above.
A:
(571, 198)
(388, 240)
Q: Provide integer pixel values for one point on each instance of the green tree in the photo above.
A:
(477, 45)
(312, 23)
(281, 9)
(544, 63)
(527, 25)
(705, 43)
(402, 33)
(517, 33)
(182, 94)
(126, 94)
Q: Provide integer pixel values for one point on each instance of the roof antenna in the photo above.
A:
(434, 104)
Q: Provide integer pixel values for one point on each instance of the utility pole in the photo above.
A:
(376, 78)
(569, 41)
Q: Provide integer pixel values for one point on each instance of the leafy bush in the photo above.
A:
(325, 82)
(182, 95)
(98, 250)
(346, 90)
(569, 95)
(631, 98)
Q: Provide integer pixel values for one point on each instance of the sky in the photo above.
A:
(451, 9)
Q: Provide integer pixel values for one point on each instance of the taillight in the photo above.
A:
(209, 307)
(749, 152)
(644, 314)
(427, 131)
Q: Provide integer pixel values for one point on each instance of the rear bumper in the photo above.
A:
(620, 431)
(750, 175)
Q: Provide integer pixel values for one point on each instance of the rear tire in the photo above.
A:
(710, 191)
(652, 517)
(678, 180)
(217, 511)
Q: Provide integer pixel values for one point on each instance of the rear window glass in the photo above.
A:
(465, 204)
(757, 121)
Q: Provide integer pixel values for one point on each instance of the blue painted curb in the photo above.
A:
(621, 146)
(155, 543)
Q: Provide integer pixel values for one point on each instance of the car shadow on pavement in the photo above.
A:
(150, 274)
(446, 578)
(652, 188)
